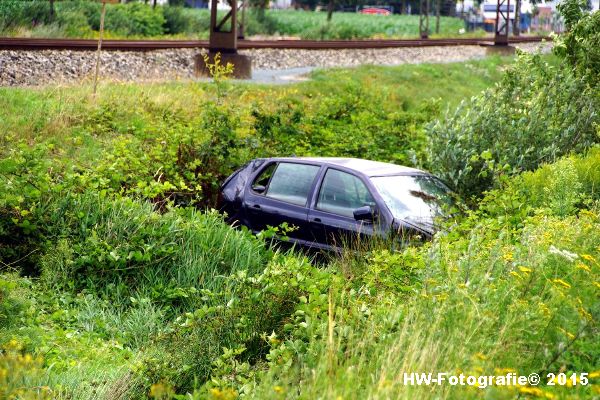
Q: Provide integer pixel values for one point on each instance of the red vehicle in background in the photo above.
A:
(375, 11)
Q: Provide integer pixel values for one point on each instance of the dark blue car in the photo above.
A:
(333, 200)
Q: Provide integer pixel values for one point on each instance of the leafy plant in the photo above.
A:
(537, 114)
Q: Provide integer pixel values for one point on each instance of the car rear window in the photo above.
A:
(292, 182)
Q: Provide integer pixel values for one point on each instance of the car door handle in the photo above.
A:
(317, 220)
(256, 206)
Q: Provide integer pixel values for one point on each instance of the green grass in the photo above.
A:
(135, 293)
(53, 112)
(81, 19)
(409, 85)
(340, 112)
(313, 25)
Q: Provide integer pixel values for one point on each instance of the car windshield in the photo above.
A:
(419, 197)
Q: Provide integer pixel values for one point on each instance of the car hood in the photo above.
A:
(426, 225)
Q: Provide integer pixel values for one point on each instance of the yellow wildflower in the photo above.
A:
(562, 283)
(568, 334)
(583, 267)
(516, 274)
(537, 392)
(595, 374)
(504, 371)
(525, 269)
(588, 257)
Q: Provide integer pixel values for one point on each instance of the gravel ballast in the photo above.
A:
(35, 68)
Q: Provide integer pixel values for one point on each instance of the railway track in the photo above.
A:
(148, 45)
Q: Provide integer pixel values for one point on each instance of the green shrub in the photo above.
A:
(15, 13)
(218, 342)
(123, 248)
(579, 44)
(493, 299)
(537, 114)
(573, 181)
(12, 301)
(136, 19)
(176, 21)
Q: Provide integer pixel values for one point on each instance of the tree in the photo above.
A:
(517, 19)
(330, 7)
(438, 5)
(52, 12)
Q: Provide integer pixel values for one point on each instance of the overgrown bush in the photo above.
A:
(23, 13)
(80, 18)
(537, 114)
(220, 342)
(494, 299)
(579, 44)
(123, 248)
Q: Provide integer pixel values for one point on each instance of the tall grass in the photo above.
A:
(313, 25)
(121, 247)
(491, 302)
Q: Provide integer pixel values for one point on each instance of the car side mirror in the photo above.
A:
(364, 213)
(259, 188)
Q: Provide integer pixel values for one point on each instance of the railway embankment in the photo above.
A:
(42, 67)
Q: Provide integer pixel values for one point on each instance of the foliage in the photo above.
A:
(313, 25)
(492, 300)
(219, 73)
(175, 143)
(80, 18)
(553, 182)
(535, 115)
(122, 249)
(579, 45)
(18, 372)
(133, 292)
(230, 331)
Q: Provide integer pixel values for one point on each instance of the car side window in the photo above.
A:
(262, 180)
(342, 193)
(292, 182)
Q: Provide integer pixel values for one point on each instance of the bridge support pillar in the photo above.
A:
(501, 28)
(223, 40)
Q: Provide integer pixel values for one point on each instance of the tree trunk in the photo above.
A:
(154, 4)
(437, 15)
(330, 7)
(517, 19)
(52, 12)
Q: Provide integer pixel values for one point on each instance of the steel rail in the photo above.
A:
(148, 45)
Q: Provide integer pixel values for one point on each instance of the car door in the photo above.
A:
(280, 194)
(332, 221)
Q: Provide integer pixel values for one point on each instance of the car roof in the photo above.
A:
(366, 167)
